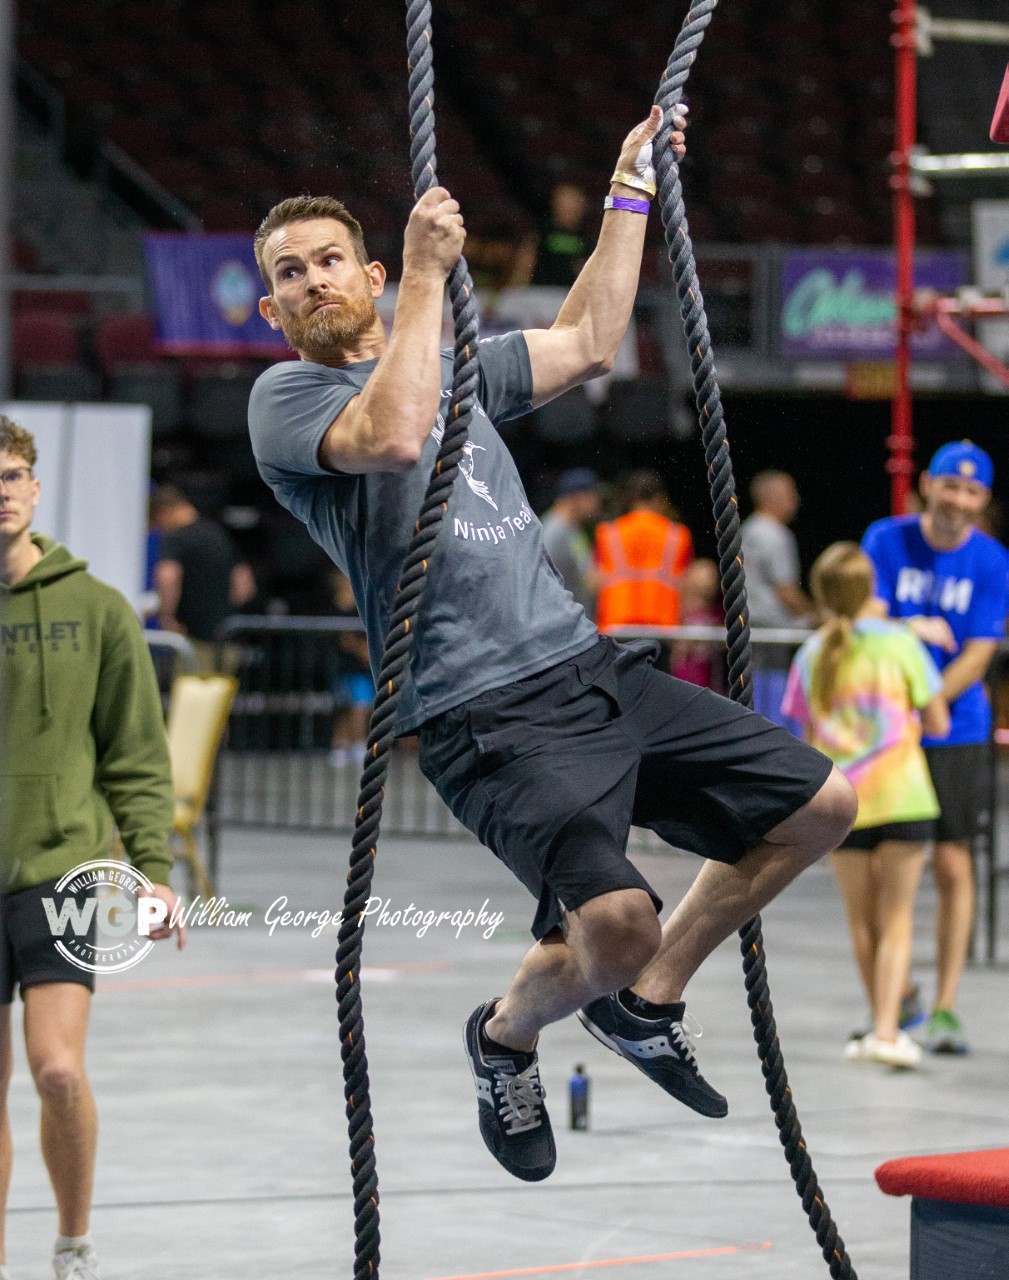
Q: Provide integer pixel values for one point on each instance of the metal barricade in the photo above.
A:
(172, 655)
(996, 839)
(275, 769)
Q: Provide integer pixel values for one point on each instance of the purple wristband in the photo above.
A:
(624, 202)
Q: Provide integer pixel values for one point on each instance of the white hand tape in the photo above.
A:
(643, 166)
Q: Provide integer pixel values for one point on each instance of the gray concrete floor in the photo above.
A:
(223, 1145)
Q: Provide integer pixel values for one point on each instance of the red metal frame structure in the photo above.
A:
(943, 313)
(901, 440)
(911, 312)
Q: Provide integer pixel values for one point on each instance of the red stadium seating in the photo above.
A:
(227, 130)
(46, 359)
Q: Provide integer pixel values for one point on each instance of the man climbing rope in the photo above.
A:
(544, 738)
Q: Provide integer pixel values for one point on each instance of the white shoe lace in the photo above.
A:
(684, 1035)
(76, 1264)
(521, 1096)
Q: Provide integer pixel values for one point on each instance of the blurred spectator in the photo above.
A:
(564, 536)
(561, 249)
(773, 591)
(641, 557)
(771, 554)
(701, 662)
(353, 688)
(948, 581)
(193, 576)
(857, 687)
(245, 595)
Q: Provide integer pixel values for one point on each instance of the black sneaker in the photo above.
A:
(513, 1120)
(662, 1049)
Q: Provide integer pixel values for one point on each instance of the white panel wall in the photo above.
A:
(94, 467)
(991, 272)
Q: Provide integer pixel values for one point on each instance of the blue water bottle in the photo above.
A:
(578, 1092)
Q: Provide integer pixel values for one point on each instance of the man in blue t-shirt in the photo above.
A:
(545, 739)
(948, 580)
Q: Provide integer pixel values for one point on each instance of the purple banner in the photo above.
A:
(839, 304)
(206, 291)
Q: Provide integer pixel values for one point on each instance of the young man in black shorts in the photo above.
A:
(84, 741)
(546, 740)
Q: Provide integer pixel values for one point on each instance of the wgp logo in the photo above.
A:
(101, 915)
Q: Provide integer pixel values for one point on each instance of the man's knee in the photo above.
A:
(822, 824)
(621, 934)
(838, 806)
(60, 1081)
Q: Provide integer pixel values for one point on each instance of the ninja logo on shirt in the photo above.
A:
(921, 586)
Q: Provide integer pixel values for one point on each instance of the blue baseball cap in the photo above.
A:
(963, 459)
(577, 480)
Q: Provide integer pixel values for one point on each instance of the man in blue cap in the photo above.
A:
(947, 580)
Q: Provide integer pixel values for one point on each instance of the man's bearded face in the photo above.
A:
(331, 323)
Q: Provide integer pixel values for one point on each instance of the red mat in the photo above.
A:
(973, 1177)
(1000, 121)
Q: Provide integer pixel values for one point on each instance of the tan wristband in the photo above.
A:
(628, 179)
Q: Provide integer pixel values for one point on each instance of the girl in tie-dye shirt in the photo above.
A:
(863, 687)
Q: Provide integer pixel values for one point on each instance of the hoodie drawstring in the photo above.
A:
(47, 714)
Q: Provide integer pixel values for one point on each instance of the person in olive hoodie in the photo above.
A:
(84, 743)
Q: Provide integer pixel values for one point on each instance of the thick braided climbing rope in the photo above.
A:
(726, 512)
(395, 658)
(402, 627)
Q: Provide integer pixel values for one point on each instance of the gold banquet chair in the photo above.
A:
(198, 711)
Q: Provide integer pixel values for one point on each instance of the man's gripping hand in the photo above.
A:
(434, 235)
(634, 168)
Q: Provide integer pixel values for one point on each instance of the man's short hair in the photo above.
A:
(764, 483)
(644, 486)
(305, 209)
(17, 440)
(167, 497)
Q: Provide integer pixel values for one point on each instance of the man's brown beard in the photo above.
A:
(332, 329)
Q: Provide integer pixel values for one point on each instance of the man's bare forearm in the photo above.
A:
(600, 302)
(168, 585)
(967, 668)
(397, 408)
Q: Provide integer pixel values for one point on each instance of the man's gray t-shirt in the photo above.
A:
(494, 609)
(771, 560)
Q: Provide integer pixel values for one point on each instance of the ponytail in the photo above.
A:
(841, 580)
(834, 647)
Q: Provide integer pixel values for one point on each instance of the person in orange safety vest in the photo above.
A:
(641, 557)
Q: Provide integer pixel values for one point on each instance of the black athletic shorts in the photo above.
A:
(29, 956)
(551, 771)
(868, 838)
(961, 775)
